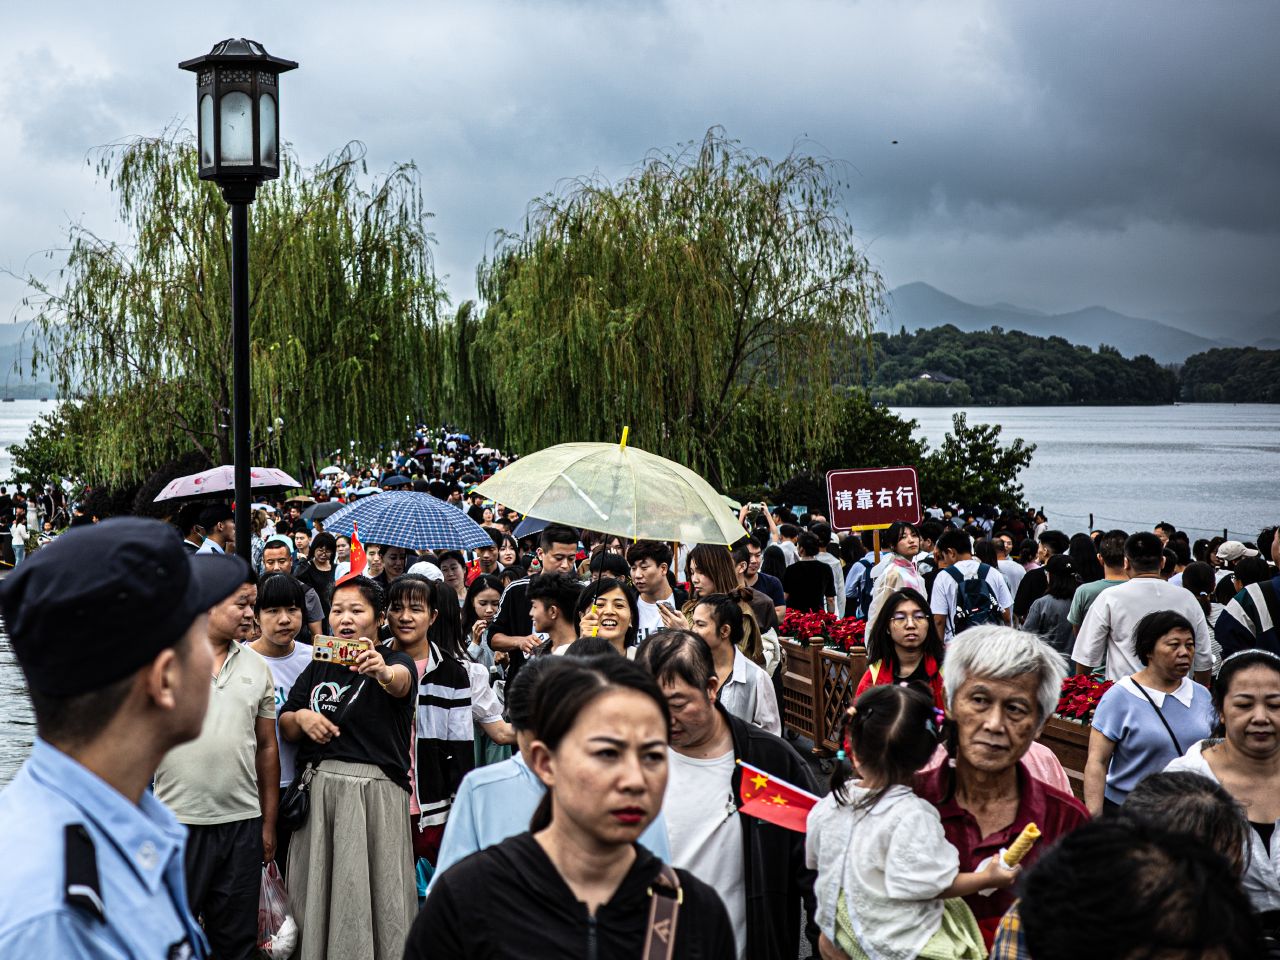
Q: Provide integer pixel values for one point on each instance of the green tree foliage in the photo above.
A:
(706, 286)
(1239, 375)
(343, 305)
(1009, 368)
(972, 467)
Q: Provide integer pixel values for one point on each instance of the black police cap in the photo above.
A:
(101, 601)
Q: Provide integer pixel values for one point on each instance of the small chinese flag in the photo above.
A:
(358, 558)
(774, 800)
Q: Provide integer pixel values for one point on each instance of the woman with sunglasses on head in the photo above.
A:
(1246, 695)
(903, 646)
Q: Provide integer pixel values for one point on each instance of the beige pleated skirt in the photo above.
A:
(352, 890)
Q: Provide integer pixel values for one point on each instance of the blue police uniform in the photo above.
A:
(86, 873)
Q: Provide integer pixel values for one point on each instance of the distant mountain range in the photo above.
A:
(918, 306)
(15, 363)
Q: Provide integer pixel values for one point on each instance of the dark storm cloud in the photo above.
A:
(1050, 154)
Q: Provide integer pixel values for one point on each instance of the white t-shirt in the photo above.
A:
(1013, 573)
(789, 551)
(284, 671)
(943, 598)
(1108, 627)
(650, 618)
(705, 833)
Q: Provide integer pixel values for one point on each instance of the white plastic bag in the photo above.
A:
(277, 932)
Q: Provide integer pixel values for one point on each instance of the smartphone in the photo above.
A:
(338, 651)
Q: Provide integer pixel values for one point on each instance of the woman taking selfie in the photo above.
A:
(351, 883)
(601, 752)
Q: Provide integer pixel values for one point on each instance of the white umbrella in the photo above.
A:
(330, 471)
(223, 480)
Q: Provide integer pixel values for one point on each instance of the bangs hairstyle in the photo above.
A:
(280, 590)
(482, 582)
(411, 588)
(897, 530)
(1154, 626)
(654, 550)
(1005, 653)
(561, 695)
(594, 591)
(370, 589)
(880, 642)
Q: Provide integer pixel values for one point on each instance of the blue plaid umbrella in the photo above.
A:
(417, 521)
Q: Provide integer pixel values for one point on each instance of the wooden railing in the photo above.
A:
(818, 683)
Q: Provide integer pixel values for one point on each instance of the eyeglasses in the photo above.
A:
(909, 617)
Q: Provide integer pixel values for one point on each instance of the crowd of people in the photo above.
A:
(539, 748)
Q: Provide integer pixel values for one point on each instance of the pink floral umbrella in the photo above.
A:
(223, 480)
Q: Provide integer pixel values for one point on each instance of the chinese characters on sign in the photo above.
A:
(861, 499)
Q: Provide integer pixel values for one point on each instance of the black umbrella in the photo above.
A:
(320, 511)
(396, 481)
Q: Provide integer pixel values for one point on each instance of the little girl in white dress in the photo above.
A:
(889, 883)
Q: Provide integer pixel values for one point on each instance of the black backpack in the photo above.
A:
(976, 602)
(858, 602)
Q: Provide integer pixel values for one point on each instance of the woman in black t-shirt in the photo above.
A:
(601, 752)
(356, 842)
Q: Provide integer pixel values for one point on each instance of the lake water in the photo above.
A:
(1203, 467)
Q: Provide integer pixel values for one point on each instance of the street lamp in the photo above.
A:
(238, 127)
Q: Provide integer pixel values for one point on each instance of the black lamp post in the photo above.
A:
(238, 110)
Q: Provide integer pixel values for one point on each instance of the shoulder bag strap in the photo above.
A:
(1160, 713)
(665, 897)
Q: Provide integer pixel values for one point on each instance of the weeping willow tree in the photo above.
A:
(343, 306)
(710, 281)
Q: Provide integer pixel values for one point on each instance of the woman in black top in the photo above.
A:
(579, 885)
(351, 885)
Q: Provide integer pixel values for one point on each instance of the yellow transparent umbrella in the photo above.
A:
(615, 489)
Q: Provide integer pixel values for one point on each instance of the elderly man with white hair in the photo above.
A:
(1001, 685)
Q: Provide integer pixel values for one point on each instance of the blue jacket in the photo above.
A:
(88, 873)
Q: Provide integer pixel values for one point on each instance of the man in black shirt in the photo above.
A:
(512, 628)
(809, 583)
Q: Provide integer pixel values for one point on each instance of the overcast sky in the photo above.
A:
(1052, 155)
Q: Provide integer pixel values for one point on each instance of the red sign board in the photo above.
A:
(864, 499)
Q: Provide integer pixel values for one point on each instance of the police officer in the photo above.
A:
(108, 623)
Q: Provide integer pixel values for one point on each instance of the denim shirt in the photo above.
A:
(87, 873)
